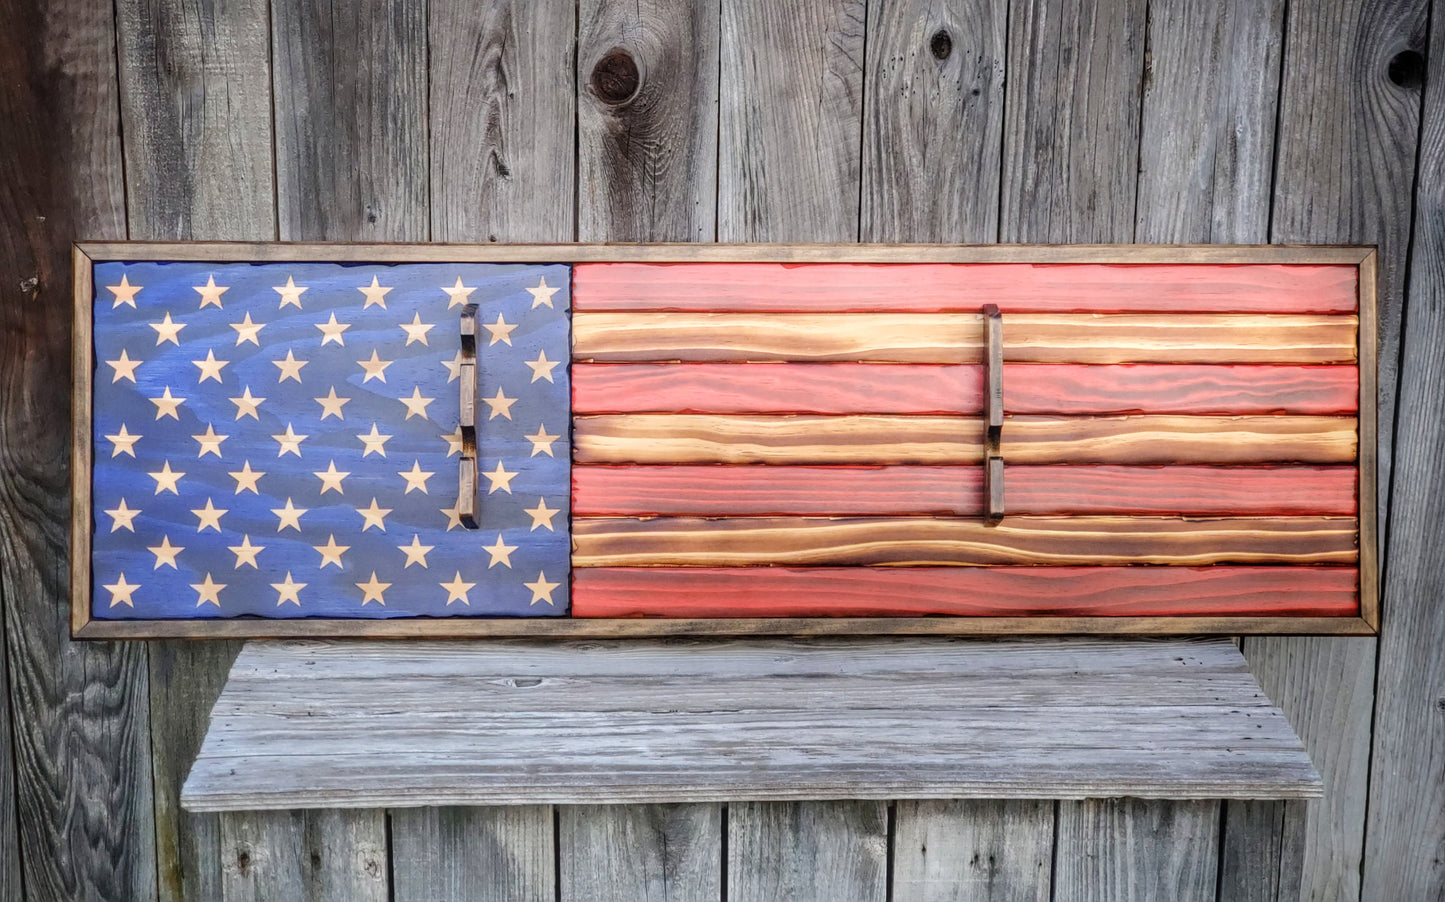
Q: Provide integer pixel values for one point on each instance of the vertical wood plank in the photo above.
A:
(1262, 850)
(807, 851)
(82, 756)
(1125, 849)
(640, 853)
(320, 856)
(11, 886)
(477, 854)
(1207, 132)
(351, 120)
(195, 91)
(502, 122)
(1071, 121)
(790, 120)
(1405, 838)
(933, 124)
(1206, 163)
(961, 851)
(647, 113)
(1326, 689)
(1344, 173)
(186, 678)
(195, 100)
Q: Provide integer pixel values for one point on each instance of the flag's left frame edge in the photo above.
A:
(81, 351)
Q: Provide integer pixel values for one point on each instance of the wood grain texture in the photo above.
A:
(12, 886)
(1261, 850)
(963, 591)
(1071, 121)
(870, 541)
(195, 91)
(185, 680)
(1207, 129)
(79, 729)
(1345, 168)
(973, 851)
(1328, 688)
(1119, 850)
(477, 854)
(936, 389)
(933, 121)
(351, 123)
(905, 282)
(647, 157)
(807, 850)
(640, 853)
(499, 117)
(1405, 839)
(958, 491)
(337, 723)
(879, 440)
(958, 338)
(196, 170)
(790, 120)
(327, 856)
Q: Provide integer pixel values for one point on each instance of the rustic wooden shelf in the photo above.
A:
(366, 724)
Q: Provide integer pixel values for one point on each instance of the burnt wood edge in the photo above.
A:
(86, 254)
(627, 627)
(262, 252)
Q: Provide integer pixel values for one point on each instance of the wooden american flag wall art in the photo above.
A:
(586, 440)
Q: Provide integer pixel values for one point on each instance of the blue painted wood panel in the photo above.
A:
(204, 373)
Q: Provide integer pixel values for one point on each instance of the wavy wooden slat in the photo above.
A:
(840, 388)
(1054, 541)
(704, 491)
(964, 591)
(775, 287)
(877, 440)
(958, 338)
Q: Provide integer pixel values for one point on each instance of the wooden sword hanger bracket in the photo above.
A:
(467, 420)
(993, 433)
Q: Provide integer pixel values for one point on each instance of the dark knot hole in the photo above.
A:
(940, 45)
(1407, 69)
(615, 77)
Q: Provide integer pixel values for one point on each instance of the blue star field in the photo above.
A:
(515, 564)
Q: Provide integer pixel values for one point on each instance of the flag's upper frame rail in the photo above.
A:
(87, 254)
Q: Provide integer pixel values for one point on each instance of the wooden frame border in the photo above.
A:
(87, 254)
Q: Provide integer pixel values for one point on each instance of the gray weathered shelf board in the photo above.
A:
(326, 724)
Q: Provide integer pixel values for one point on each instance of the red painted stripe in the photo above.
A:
(848, 388)
(966, 591)
(707, 491)
(947, 287)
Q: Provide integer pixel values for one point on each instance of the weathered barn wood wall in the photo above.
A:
(735, 120)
